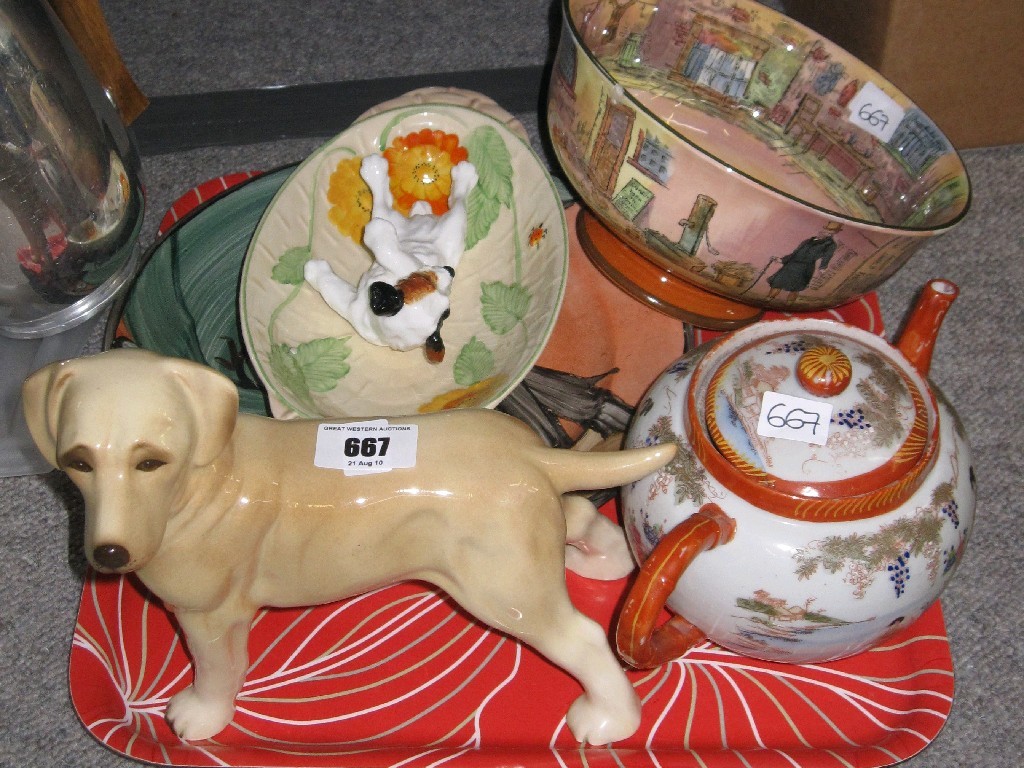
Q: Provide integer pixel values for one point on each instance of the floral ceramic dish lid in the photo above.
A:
(506, 295)
(764, 402)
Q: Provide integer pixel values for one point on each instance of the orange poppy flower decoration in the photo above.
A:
(420, 166)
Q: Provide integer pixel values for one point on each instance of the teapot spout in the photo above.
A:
(918, 338)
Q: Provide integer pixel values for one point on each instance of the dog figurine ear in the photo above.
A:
(213, 401)
(41, 397)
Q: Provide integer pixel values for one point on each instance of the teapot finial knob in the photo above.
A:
(824, 370)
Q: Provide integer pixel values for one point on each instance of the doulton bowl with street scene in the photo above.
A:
(740, 152)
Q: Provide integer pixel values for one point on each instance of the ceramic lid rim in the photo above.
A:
(859, 496)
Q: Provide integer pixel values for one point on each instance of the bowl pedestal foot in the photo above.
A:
(658, 288)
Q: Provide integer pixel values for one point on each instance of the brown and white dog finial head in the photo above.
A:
(403, 298)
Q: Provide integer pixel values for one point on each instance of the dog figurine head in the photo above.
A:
(128, 458)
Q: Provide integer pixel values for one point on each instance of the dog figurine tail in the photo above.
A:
(590, 470)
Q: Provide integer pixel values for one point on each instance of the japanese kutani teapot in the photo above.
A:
(821, 499)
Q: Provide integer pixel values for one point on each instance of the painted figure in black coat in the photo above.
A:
(798, 267)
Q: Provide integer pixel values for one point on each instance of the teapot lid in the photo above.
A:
(812, 419)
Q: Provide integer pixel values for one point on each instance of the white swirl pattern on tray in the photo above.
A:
(401, 677)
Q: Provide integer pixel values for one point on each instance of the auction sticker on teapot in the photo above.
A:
(366, 447)
(794, 418)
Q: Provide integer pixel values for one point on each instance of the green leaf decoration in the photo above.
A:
(503, 305)
(474, 363)
(481, 213)
(322, 362)
(288, 269)
(288, 373)
(313, 366)
(493, 163)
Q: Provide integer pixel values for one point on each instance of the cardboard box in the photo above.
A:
(962, 62)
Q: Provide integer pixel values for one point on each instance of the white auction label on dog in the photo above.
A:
(366, 447)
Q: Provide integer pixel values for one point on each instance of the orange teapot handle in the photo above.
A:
(640, 643)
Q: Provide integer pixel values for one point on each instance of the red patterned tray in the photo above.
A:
(400, 677)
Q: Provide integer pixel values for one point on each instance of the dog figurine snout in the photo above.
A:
(110, 557)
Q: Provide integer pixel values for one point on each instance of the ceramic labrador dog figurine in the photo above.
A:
(221, 513)
(402, 300)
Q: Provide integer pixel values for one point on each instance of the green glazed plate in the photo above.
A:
(184, 301)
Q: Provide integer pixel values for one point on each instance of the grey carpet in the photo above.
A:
(194, 46)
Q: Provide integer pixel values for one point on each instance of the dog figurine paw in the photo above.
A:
(195, 718)
(402, 300)
(220, 513)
